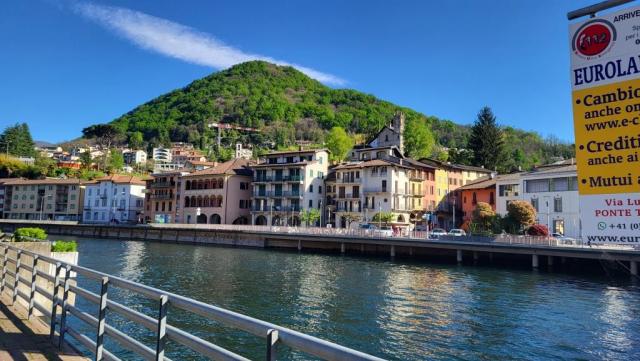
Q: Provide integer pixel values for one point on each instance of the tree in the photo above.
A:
(350, 218)
(136, 140)
(418, 139)
(85, 159)
(339, 143)
(310, 216)
(116, 160)
(486, 140)
(484, 214)
(105, 135)
(16, 140)
(383, 217)
(521, 214)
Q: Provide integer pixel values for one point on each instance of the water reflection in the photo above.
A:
(396, 310)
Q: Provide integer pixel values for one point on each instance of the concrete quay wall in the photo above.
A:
(446, 248)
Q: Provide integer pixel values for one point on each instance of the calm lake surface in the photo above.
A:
(399, 310)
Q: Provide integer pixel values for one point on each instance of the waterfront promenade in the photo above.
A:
(28, 339)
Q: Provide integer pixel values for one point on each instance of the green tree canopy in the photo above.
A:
(16, 140)
(486, 140)
(339, 143)
(116, 161)
(310, 216)
(136, 140)
(384, 217)
(418, 139)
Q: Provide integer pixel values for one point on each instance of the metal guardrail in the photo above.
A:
(273, 335)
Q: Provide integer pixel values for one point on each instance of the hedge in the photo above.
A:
(28, 234)
(64, 246)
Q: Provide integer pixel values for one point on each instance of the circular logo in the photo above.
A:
(594, 38)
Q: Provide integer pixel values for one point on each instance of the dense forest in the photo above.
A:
(287, 106)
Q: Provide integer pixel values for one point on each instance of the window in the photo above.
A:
(311, 173)
(89, 194)
(244, 185)
(557, 204)
(384, 185)
(534, 203)
(474, 199)
(320, 160)
(491, 198)
(310, 203)
(558, 226)
(320, 189)
(537, 185)
(311, 188)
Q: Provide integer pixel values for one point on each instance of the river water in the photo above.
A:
(399, 310)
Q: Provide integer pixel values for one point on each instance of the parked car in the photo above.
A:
(375, 230)
(457, 232)
(563, 238)
(438, 232)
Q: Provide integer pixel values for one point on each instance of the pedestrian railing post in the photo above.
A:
(54, 300)
(272, 340)
(15, 279)
(162, 327)
(101, 319)
(65, 297)
(4, 269)
(32, 294)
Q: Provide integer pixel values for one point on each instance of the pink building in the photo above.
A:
(218, 195)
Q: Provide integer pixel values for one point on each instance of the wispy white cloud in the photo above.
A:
(179, 41)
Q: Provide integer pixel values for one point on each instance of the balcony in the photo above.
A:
(162, 196)
(292, 194)
(375, 190)
(262, 179)
(349, 210)
(257, 208)
(293, 178)
(162, 184)
(348, 180)
(348, 196)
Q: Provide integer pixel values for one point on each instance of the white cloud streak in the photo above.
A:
(179, 41)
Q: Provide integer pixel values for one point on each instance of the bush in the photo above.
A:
(30, 234)
(521, 213)
(64, 246)
(538, 230)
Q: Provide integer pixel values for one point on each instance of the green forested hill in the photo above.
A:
(288, 106)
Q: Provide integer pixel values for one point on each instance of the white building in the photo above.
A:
(116, 198)
(132, 157)
(553, 192)
(162, 155)
(285, 183)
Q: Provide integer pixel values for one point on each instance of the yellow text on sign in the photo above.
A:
(607, 128)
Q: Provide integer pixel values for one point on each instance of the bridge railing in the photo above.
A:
(273, 335)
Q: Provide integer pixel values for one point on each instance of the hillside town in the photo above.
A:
(376, 181)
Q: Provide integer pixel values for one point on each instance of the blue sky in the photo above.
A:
(68, 64)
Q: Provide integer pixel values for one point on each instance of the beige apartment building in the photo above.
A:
(44, 199)
(286, 183)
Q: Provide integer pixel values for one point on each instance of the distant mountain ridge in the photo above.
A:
(286, 105)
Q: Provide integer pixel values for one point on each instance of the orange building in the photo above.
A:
(480, 190)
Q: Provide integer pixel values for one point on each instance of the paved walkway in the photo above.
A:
(27, 340)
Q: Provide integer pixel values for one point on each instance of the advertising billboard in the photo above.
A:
(605, 81)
